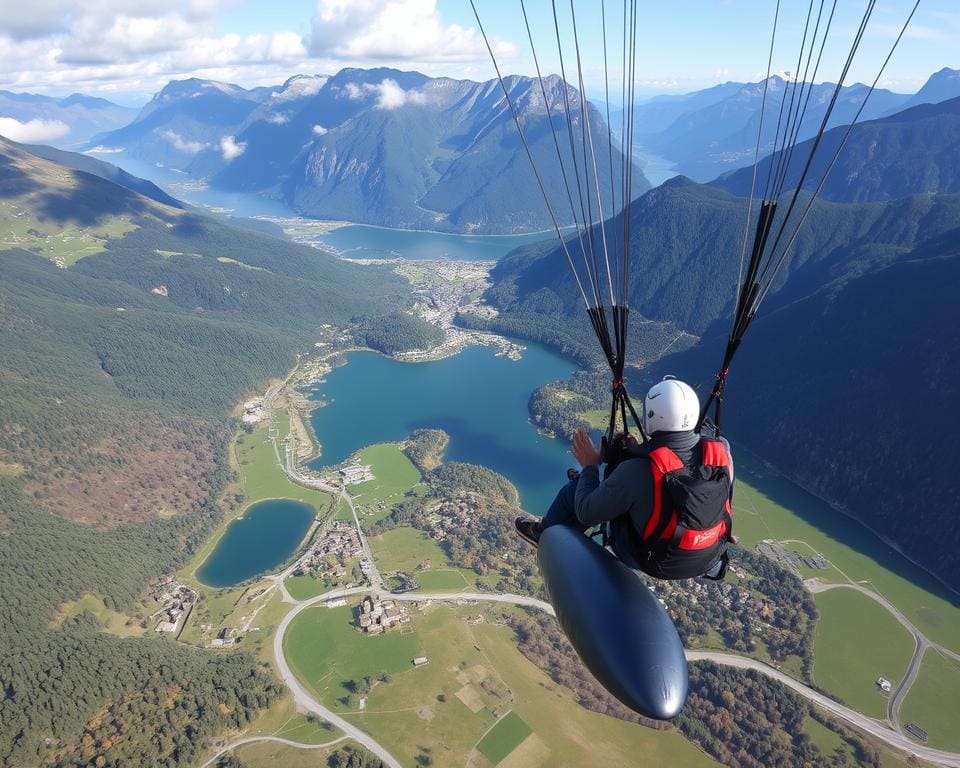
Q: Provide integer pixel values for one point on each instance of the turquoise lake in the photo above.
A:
(266, 535)
(479, 399)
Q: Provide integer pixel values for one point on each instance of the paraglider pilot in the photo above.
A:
(666, 506)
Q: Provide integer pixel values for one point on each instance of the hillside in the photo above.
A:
(119, 366)
(715, 131)
(912, 152)
(376, 146)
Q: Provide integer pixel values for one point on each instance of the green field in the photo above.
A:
(504, 737)
(262, 477)
(266, 754)
(769, 507)
(62, 243)
(316, 646)
(442, 580)
(857, 641)
(933, 702)
(403, 549)
(305, 587)
(394, 474)
(475, 675)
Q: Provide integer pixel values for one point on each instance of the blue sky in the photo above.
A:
(128, 49)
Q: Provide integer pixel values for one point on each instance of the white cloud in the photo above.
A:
(319, 130)
(277, 118)
(125, 37)
(33, 131)
(40, 18)
(409, 30)
(181, 144)
(355, 92)
(390, 95)
(231, 148)
(388, 92)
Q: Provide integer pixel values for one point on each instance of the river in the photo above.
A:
(479, 399)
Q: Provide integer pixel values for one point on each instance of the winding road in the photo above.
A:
(921, 644)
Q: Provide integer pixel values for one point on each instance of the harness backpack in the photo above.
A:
(691, 522)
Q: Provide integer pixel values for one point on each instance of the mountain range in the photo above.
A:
(69, 122)
(374, 146)
(710, 132)
(854, 356)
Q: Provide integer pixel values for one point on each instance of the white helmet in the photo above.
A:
(670, 406)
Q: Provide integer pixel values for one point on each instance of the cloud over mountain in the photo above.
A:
(231, 149)
(33, 131)
(389, 94)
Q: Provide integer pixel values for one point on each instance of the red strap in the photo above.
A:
(662, 460)
(715, 454)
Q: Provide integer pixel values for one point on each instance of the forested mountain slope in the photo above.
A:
(909, 153)
(685, 246)
(377, 146)
(117, 375)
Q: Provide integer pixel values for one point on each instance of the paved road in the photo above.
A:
(304, 699)
(483, 597)
(254, 739)
(920, 644)
(873, 727)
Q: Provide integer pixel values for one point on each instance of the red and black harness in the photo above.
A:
(691, 522)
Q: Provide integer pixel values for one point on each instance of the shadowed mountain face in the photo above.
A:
(104, 170)
(382, 147)
(846, 389)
